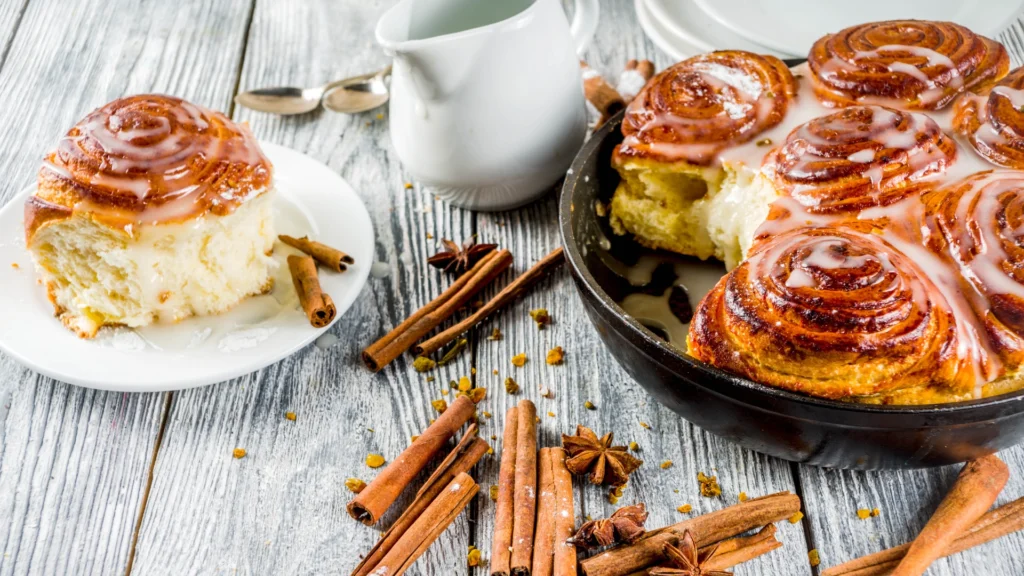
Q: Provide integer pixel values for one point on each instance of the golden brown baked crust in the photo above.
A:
(836, 313)
(148, 159)
(700, 106)
(922, 64)
(993, 121)
(860, 157)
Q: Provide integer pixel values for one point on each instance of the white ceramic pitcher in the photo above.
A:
(487, 104)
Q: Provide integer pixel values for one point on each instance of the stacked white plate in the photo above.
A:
(787, 28)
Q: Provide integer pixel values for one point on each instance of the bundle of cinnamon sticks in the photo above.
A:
(437, 503)
(423, 321)
(535, 511)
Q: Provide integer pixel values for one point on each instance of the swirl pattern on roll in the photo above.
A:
(920, 63)
(700, 106)
(832, 312)
(979, 222)
(993, 122)
(160, 155)
(860, 157)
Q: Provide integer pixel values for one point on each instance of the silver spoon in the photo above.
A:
(358, 94)
(356, 91)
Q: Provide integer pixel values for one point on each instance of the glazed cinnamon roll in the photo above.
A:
(838, 314)
(979, 222)
(700, 106)
(993, 121)
(672, 176)
(154, 158)
(915, 63)
(151, 208)
(860, 157)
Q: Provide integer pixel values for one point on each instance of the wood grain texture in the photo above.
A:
(74, 462)
(10, 17)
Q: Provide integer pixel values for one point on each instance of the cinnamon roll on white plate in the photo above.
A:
(151, 232)
(151, 208)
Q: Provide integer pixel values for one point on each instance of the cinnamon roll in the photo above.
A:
(674, 131)
(835, 313)
(979, 222)
(702, 105)
(860, 157)
(908, 63)
(993, 121)
(151, 208)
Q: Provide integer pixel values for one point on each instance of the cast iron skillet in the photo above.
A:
(769, 420)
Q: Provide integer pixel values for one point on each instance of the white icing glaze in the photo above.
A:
(159, 149)
(832, 69)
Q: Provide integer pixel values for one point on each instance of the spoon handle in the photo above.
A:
(384, 73)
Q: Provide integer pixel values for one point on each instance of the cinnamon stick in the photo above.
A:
(462, 458)
(374, 500)
(600, 93)
(633, 78)
(317, 305)
(977, 487)
(736, 551)
(331, 257)
(507, 295)
(706, 529)
(565, 515)
(441, 512)
(630, 558)
(501, 546)
(394, 343)
(544, 536)
(994, 524)
(524, 498)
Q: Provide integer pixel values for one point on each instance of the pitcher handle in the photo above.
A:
(584, 23)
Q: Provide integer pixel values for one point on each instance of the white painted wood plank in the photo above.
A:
(281, 510)
(10, 16)
(74, 462)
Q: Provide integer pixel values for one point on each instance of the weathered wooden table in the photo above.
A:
(108, 483)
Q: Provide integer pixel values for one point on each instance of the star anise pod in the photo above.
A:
(605, 463)
(455, 258)
(687, 560)
(624, 525)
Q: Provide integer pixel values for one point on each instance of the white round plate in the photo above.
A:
(311, 199)
(676, 47)
(792, 26)
(686, 21)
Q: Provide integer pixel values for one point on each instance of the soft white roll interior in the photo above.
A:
(99, 275)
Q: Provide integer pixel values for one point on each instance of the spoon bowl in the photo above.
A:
(351, 95)
(284, 100)
(359, 95)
